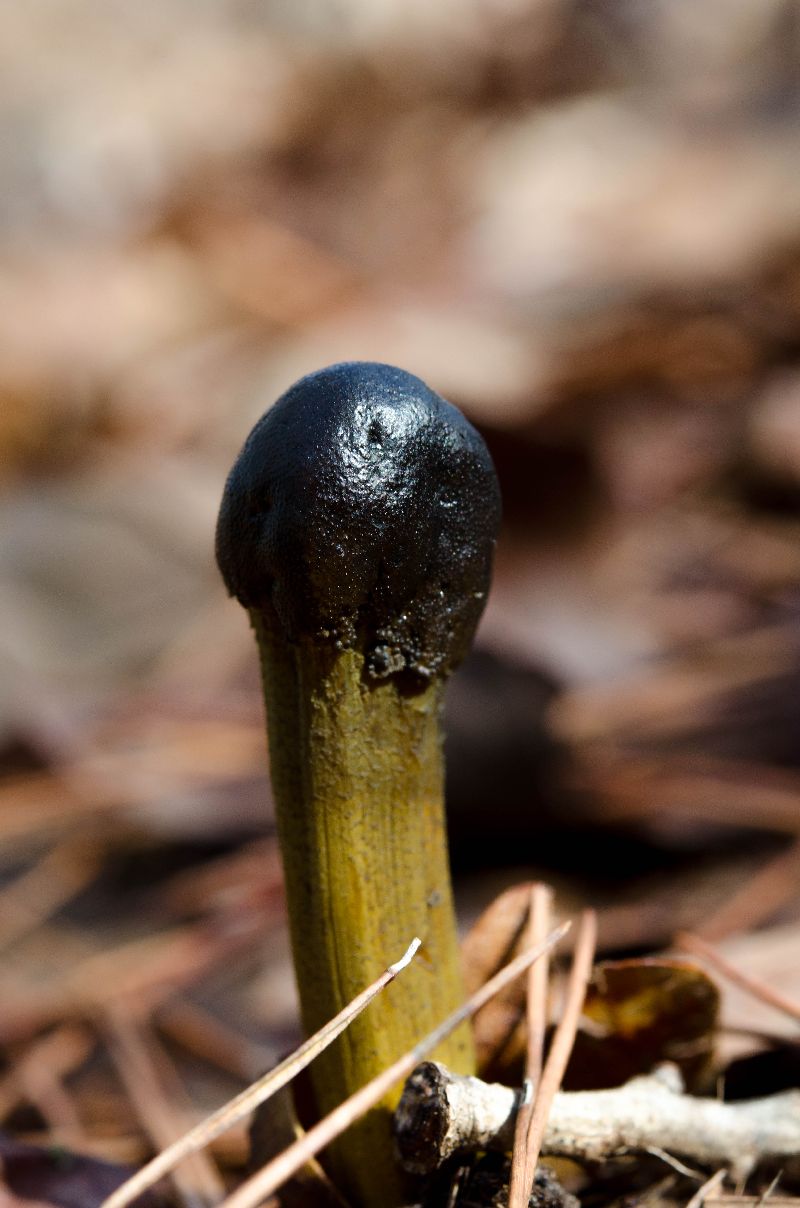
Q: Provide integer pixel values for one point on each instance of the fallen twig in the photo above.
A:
(442, 1113)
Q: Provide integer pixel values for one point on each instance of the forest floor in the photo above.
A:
(580, 223)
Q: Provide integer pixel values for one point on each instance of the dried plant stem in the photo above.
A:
(250, 1098)
(648, 1113)
(271, 1176)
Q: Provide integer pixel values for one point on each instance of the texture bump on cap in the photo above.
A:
(363, 510)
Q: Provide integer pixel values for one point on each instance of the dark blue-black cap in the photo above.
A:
(363, 512)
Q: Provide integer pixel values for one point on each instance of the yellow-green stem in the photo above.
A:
(357, 774)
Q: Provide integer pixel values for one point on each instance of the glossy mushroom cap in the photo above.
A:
(363, 511)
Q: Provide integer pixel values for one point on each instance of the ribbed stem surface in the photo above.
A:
(357, 775)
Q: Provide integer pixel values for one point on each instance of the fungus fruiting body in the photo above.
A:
(357, 527)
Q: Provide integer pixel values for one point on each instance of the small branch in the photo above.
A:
(442, 1113)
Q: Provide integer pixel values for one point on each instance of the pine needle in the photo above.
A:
(689, 942)
(561, 1047)
(539, 925)
(250, 1098)
(270, 1177)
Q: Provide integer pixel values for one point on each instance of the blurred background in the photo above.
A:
(577, 219)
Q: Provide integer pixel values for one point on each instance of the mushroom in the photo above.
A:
(358, 526)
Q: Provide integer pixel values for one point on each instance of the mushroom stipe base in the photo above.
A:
(357, 773)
